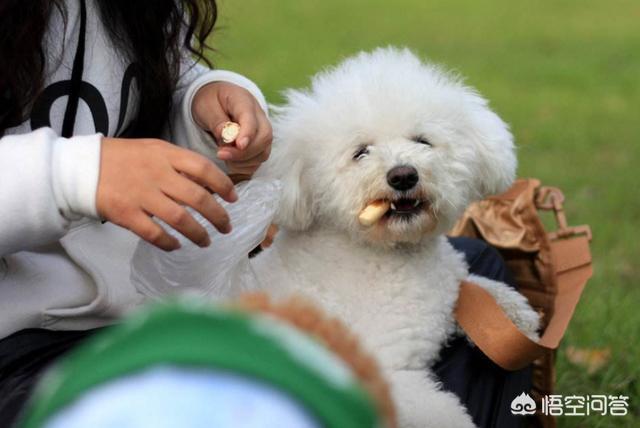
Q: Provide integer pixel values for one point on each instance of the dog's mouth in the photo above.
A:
(385, 210)
(405, 208)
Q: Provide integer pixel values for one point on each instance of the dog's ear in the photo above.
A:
(294, 211)
(495, 161)
(289, 161)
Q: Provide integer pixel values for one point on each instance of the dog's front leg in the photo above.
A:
(422, 404)
(515, 305)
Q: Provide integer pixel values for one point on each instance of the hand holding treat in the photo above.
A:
(229, 133)
(225, 108)
(373, 212)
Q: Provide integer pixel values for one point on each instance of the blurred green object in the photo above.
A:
(196, 335)
(565, 74)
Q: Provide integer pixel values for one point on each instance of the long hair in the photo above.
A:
(152, 33)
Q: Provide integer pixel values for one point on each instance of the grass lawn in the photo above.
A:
(565, 75)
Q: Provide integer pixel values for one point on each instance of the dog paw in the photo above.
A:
(514, 304)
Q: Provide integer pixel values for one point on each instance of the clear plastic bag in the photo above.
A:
(221, 270)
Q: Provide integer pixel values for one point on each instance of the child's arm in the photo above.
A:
(46, 182)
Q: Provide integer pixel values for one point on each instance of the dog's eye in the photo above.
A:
(422, 140)
(361, 152)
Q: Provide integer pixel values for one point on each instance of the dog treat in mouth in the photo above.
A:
(230, 131)
(373, 212)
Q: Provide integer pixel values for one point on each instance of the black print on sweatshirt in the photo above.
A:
(41, 112)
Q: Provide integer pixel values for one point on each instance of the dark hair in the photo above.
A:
(152, 33)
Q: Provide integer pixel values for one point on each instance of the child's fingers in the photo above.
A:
(259, 150)
(204, 172)
(253, 162)
(185, 191)
(150, 231)
(177, 217)
(243, 112)
(261, 142)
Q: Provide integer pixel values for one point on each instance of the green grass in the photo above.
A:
(565, 74)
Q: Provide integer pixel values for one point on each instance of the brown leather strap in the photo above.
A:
(492, 331)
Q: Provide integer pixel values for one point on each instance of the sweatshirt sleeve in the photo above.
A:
(185, 132)
(46, 182)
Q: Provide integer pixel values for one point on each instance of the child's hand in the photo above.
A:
(148, 177)
(220, 102)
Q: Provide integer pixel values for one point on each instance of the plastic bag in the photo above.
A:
(221, 270)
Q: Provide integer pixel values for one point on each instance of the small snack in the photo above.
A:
(230, 131)
(373, 212)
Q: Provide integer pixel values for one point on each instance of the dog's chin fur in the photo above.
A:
(395, 282)
(399, 232)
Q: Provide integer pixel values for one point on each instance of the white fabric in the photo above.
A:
(61, 268)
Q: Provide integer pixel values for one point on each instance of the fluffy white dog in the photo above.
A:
(386, 126)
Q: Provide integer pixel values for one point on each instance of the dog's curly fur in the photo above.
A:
(394, 283)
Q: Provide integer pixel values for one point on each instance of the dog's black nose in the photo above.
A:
(402, 177)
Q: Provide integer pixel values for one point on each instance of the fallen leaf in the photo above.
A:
(593, 359)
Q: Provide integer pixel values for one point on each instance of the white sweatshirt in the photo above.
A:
(60, 267)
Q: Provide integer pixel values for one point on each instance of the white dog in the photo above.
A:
(385, 126)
